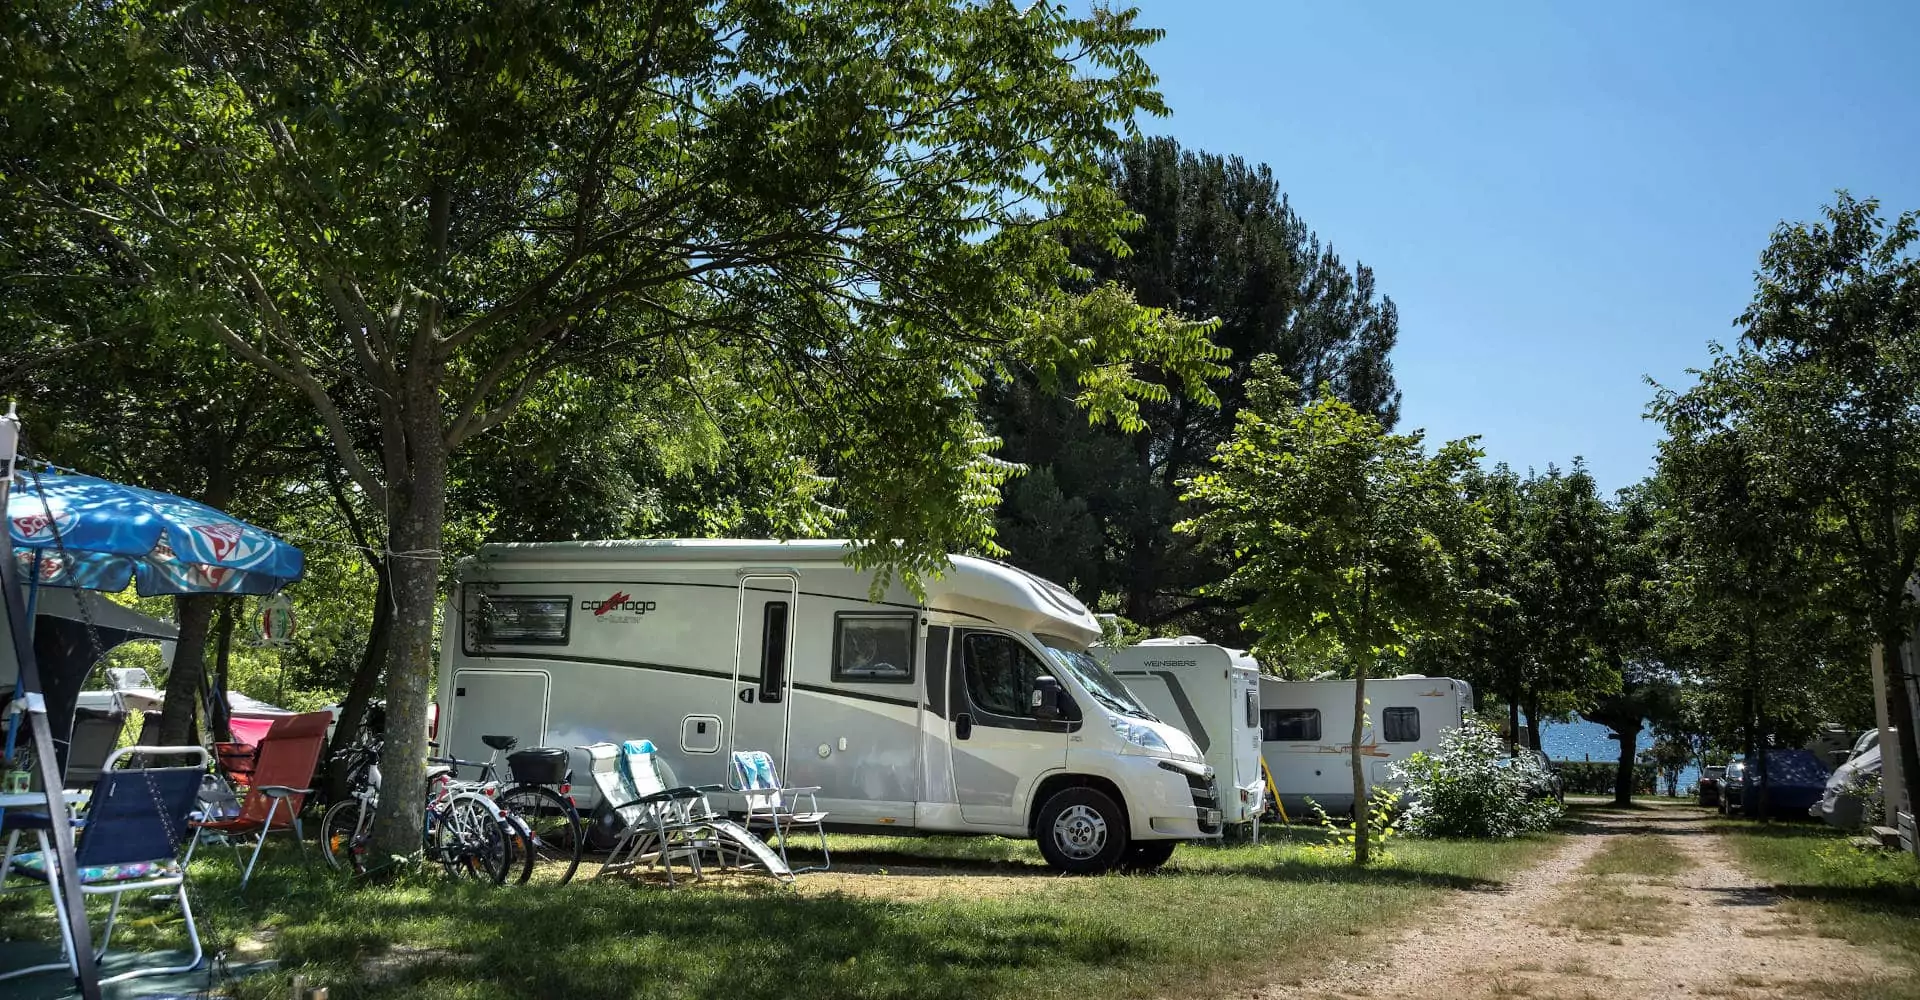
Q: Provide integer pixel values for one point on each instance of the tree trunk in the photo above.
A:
(1533, 721)
(1623, 775)
(418, 502)
(1360, 812)
(195, 612)
(366, 678)
(1513, 722)
(1900, 661)
(220, 723)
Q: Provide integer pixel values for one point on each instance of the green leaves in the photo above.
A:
(1350, 538)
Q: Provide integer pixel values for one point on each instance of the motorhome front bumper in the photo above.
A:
(1202, 789)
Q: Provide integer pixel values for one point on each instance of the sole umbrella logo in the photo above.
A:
(33, 529)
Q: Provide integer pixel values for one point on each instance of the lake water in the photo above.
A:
(1583, 740)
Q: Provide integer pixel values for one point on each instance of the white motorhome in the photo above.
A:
(974, 710)
(1307, 733)
(1212, 694)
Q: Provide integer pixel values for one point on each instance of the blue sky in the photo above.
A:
(1561, 197)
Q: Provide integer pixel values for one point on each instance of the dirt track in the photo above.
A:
(1562, 930)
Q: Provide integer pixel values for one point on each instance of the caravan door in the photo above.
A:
(998, 749)
(762, 661)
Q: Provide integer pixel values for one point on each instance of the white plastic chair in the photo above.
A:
(769, 804)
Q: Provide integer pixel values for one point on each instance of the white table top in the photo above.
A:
(28, 800)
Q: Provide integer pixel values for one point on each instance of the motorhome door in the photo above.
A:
(999, 749)
(762, 662)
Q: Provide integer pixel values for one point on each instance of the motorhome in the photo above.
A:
(974, 708)
(1212, 694)
(1307, 733)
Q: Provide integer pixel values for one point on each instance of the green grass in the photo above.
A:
(1002, 926)
(1869, 898)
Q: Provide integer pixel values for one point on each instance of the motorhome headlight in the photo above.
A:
(1141, 736)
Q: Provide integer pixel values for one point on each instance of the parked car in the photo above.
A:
(1733, 780)
(1795, 782)
(1708, 790)
(1842, 805)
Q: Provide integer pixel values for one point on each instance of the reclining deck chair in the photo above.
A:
(652, 830)
(770, 805)
(130, 841)
(683, 824)
(282, 771)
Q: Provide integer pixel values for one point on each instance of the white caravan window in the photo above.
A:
(1290, 725)
(1253, 707)
(873, 648)
(521, 621)
(1400, 725)
(1000, 672)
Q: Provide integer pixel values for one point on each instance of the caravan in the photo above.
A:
(1307, 733)
(1211, 693)
(974, 710)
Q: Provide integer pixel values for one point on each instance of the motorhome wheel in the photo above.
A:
(1082, 831)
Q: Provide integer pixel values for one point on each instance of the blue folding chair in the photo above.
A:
(130, 840)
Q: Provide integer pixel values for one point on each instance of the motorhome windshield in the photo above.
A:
(1096, 678)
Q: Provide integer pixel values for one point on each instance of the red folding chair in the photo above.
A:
(277, 788)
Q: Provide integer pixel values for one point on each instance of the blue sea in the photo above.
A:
(1583, 740)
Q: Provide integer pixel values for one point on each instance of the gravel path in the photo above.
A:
(1562, 931)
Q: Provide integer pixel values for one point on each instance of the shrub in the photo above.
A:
(1597, 777)
(1470, 789)
(1382, 825)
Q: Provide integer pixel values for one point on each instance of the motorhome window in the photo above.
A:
(937, 637)
(873, 649)
(1253, 708)
(1000, 672)
(521, 621)
(773, 652)
(1400, 725)
(1290, 725)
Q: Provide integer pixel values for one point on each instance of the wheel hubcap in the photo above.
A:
(1080, 832)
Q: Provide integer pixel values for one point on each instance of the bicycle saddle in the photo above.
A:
(499, 742)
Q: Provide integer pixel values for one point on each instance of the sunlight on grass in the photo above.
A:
(1639, 854)
(1035, 934)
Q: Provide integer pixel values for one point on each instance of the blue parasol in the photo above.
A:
(90, 534)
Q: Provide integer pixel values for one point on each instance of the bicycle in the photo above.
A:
(463, 830)
(556, 835)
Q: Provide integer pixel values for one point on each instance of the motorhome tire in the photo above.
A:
(1082, 831)
(1149, 855)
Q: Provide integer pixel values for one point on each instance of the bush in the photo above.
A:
(1470, 789)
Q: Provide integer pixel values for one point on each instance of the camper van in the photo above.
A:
(975, 709)
(1212, 694)
(1307, 733)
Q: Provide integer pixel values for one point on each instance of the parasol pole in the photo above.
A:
(28, 691)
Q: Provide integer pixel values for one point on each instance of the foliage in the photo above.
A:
(1597, 777)
(1342, 843)
(1217, 238)
(1464, 789)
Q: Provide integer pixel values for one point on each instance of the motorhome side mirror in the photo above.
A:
(1044, 703)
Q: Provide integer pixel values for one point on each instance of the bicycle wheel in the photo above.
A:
(556, 832)
(470, 841)
(345, 829)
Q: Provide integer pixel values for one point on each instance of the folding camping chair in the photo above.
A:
(734, 847)
(278, 787)
(653, 830)
(771, 805)
(135, 827)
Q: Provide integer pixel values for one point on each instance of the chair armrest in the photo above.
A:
(801, 790)
(670, 795)
(706, 789)
(281, 791)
